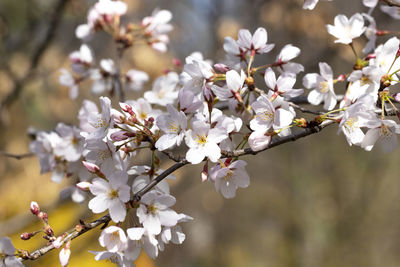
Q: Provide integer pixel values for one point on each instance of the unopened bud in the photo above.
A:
(64, 255)
(204, 173)
(301, 122)
(221, 67)
(370, 56)
(91, 167)
(83, 186)
(26, 236)
(177, 62)
(341, 78)
(381, 33)
(127, 108)
(35, 208)
(48, 230)
(398, 52)
(121, 135)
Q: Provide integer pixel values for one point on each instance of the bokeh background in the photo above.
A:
(314, 202)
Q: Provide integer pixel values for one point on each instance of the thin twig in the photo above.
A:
(280, 141)
(117, 77)
(53, 23)
(391, 3)
(16, 156)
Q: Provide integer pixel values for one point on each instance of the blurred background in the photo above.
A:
(314, 202)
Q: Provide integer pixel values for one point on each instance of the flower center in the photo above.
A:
(201, 139)
(350, 124)
(152, 209)
(113, 193)
(173, 127)
(266, 115)
(228, 176)
(100, 123)
(103, 154)
(323, 87)
(142, 115)
(365, 80)
(385, 132)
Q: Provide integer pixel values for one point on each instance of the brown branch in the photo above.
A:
(280, 141)
(117, 77)
(391, 3)
(53, 23)
(16, 156)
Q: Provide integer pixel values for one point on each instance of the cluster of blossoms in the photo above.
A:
(209, 111)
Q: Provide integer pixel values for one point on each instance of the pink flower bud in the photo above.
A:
(64, 255)
(370, 56)
(83, 186)
(48, 230)
(35, 208)
(121, 135)
(177, 62)
(127, 108)
(221, 67)
(204, 173)
(91, 167)
(341, 78)
(26, 236)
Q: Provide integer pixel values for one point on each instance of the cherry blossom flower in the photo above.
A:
(188, 102)
(283, 86)
(288, 53)
(173, 125)
(384, 131)
(174, 234)
(100, 122)
(143, 109)
(392, 11)
(64, 255)
(195, 74)
(322, 85)
(103, 12)
(154, 212)
(258, 140)
(234, 82)
(135, 79)
(157, 26)
(115, 257)
(356, 116)
(203, 141)
(267, 116)
(110, 195)
(385, 56)
(114, 239)
(7, 250)
(141, 238)
(81, 60)
(71, 145)
(256, 42)
(345, 30)
(229, 177)
(66, 79)
(164, 90)
(102, 79)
